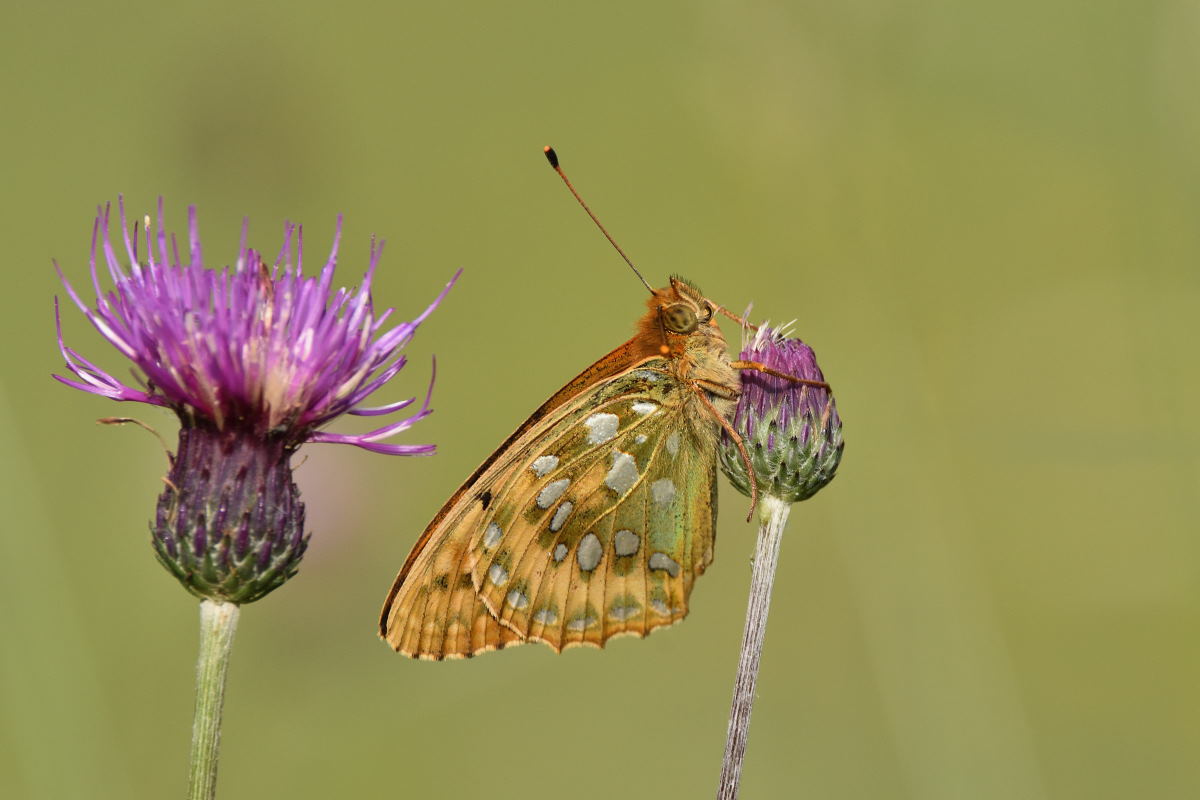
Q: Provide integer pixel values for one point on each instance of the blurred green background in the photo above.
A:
(984, 216)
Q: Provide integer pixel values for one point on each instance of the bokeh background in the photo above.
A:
(983, 215)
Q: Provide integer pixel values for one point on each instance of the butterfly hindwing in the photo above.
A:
(541, 545)
(609, 534)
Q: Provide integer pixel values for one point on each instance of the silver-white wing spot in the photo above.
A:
(644, 407)
(589, 552)
(560, 551)
(547, 616)
(626, 543)
(664, 562)
(491, 536)
(552, 491)
(517, 599)
(623, 610)
(663, 491)
(498, 574)
(561, 514)
(601, 427)
(581, 623)
(673, 443)
(623, 474)
(542, 465)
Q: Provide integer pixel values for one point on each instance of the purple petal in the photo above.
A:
(250, 346)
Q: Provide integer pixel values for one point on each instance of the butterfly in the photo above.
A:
(596, 516)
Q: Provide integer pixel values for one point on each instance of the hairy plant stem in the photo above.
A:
(218, 622)
(773, 514)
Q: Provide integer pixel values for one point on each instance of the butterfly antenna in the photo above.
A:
(552, 157)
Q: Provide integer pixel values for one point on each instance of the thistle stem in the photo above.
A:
(218, 622)
(773, 514)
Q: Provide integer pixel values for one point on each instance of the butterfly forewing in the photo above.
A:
(437, 612)
(433, 610)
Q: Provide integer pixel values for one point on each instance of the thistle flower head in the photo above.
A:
(791, 431)
(264, 349)
(254, 359)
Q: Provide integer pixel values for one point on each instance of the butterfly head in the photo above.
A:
(682, 307)
(679, 317)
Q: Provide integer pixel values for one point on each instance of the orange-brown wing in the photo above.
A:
(609, 538)
(433, 610)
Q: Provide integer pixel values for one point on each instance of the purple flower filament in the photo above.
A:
(266, 349)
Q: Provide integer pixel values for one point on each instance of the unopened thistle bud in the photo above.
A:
(791, 431)
(254, 360)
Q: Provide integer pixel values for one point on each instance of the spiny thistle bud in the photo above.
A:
(792, 432)
(254, 360)
(230, 523)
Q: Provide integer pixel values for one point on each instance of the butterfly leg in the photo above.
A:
(763, 368)
(739, 320)
(700, 387)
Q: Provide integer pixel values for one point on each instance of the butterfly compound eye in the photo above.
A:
(679, 318)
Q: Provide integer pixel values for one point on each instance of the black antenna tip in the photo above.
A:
(551, 156)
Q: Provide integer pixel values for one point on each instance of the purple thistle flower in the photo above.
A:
(254, 360)
(792, 432)
(269, 349)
